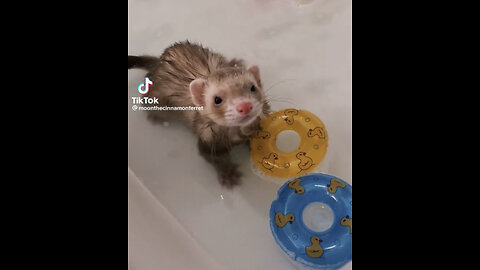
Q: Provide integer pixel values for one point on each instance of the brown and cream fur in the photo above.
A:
(188, 74)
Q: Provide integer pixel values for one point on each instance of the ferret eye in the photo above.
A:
(253, 89)
(218, 100)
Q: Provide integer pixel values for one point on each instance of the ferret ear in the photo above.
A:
(197, 89)
(256, 72)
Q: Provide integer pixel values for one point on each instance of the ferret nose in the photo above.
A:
(244, 107)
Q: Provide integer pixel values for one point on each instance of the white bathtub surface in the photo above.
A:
(304, 52)
(149, 249)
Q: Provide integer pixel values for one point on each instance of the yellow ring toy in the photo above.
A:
(304, 159)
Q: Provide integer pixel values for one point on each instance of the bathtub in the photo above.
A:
(179, 216)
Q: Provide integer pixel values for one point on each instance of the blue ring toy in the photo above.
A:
(329, 249)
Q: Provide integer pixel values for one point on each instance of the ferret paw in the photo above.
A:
(230, 176)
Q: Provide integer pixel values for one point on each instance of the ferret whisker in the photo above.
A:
(277, 83)
(272, 100)
(279, 99)
(269, 98)
(289, 103)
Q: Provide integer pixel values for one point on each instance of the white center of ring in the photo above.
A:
(318, 217)
(287, 141)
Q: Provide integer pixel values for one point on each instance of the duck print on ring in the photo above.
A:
(269, 162)
(262, 134)
(295, 185)
(289, 115)
(346, 221)
(305, 161)
(282, 220)
(317, 131)
(315, 250)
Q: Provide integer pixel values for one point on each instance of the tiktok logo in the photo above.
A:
(144, 87)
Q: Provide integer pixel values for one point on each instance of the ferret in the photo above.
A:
(233, 101)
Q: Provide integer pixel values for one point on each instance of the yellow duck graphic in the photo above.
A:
(289, 115)
(334, 184)
(317, 131)
(295, 184)
(305, 161)
(315, 250)
(282, 220)
(269, 162)
(346, 221)
(262, 134)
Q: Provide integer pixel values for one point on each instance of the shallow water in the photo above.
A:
(304, 51)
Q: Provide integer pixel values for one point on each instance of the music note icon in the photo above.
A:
(144, 87)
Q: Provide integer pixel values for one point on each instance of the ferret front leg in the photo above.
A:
(227, 172)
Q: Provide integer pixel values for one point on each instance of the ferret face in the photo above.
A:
(233, 97)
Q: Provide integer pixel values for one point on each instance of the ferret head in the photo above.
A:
(231, 96)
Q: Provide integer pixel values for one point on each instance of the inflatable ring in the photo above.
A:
(311, 220)
(312, 148)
